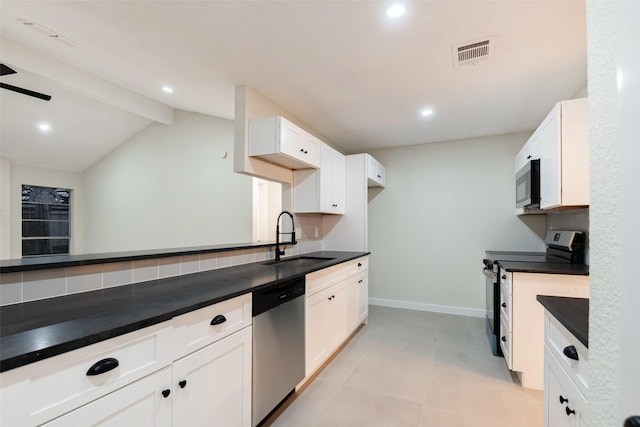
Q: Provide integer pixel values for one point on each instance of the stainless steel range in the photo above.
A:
(566, 247)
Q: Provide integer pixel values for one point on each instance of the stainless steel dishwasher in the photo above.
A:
(278, 345)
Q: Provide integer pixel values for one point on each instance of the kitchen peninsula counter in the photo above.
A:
(41, 329)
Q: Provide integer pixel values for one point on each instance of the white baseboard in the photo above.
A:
(460, 311)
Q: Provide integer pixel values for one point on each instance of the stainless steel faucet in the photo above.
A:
(293, 234)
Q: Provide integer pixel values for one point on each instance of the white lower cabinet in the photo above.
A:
(212, 387)
(194, 370)
(139, 404)
(336, 302)
(565, 379)
(522, 320)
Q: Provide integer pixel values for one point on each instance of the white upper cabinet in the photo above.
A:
(529, 151)
(321, 190)
(279, 141)
(375, 172)
(564, 156)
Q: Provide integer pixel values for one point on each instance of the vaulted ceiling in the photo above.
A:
(357, 77)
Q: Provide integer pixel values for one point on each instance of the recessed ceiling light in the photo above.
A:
(167, 89)
(44, 127)
(426, 112)
(396, 10)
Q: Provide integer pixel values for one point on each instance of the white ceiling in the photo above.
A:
(342, 67)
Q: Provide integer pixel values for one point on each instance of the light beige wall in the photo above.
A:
(5, 209)
(20, 175)
(169, 187)
(445, 204)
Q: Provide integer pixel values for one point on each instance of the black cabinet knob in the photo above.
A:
(569, 411)
(504, 304)
(529, 156)
(102, 366)
(563, 399)
(182, 383)
(218, 320)
(166, 393)
(504, 339)
(359, 264)
(633, 421)
(504, 277)
(571, 352)
(360, 281)
(379, 176)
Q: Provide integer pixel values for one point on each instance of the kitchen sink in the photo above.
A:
(298, 261)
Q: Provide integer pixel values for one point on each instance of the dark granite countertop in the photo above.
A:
(544, 267)
(534, 262)
(37, 330)
(60, 261)
(572, 313)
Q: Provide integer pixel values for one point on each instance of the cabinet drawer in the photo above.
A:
(506, 304)
(41, 391)
(202, 327)
(322, 279)
(506, 281)
(559, 339)
(357, 266)
(506, 342)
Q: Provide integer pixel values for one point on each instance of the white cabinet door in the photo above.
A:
(337, 315)
(321, 190)
(564, 156)
(362, 284)
(375, 173)
(352, 304)
(529, 151)
(316, 339)
(277, 140)
(139, 404)
(550, 160)
(212, 387)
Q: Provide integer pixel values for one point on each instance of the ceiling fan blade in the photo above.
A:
(26, 91)
(5, 70)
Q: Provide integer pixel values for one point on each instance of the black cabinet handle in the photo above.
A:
(569, 411)
(102, 366)
(166, 393)
(360, 281)
(379, 176)
(632, 421)
(504, 304)
(563, 399)
(218, 320)
(504, 277)
(571, 352)
(182, 383)
(504, 339)
(529, 156)
(359, 264)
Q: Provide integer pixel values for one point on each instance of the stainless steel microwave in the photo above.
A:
(528, 185)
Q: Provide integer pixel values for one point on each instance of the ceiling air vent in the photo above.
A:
(472, 52)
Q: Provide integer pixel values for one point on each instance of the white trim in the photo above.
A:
(410, 305)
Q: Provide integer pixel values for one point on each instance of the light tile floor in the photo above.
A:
(414, 368)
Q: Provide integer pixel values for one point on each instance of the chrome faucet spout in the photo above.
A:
(293, 234)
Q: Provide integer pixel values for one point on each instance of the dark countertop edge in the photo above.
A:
(572, 313)
(545, 268)
(61, 261)
(23, 359)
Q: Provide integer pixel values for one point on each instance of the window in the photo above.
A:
(45, 221)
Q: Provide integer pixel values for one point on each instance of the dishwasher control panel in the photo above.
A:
(274, 295)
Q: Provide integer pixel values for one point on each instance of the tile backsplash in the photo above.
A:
(40, 284)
